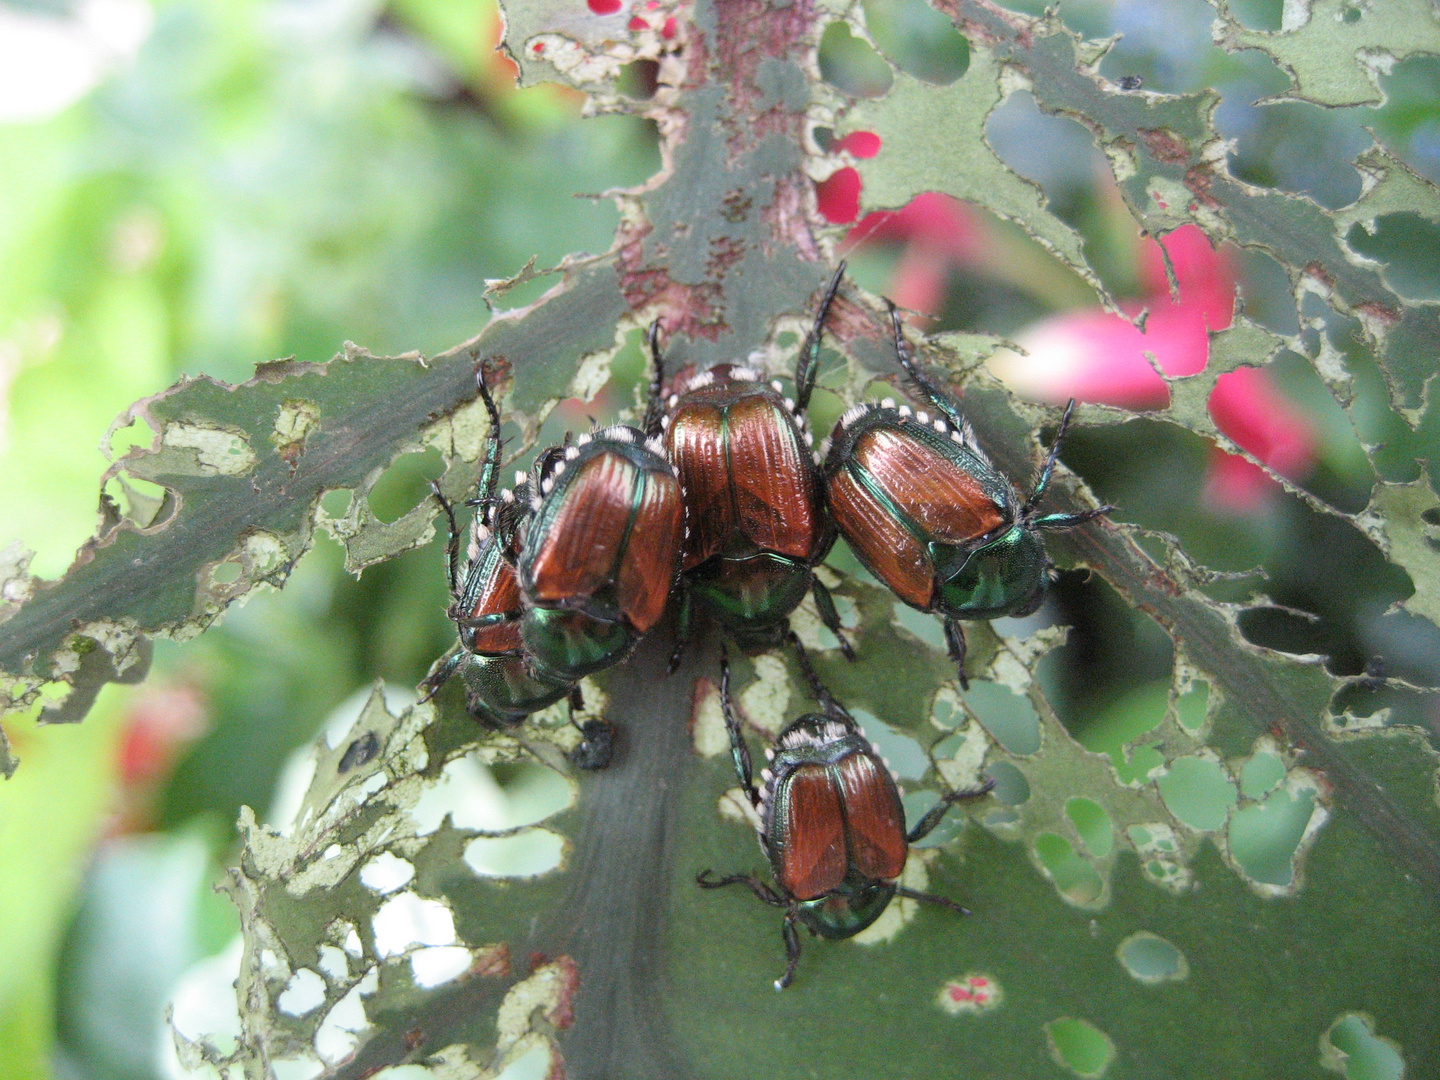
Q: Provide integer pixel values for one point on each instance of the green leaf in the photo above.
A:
(1229, 871)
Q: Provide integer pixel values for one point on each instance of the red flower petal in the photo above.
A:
(862, 144)
(838, 196)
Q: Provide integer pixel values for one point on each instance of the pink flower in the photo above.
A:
(1247, 407)
(939, 232)
(1097, 355)
(1100, 356)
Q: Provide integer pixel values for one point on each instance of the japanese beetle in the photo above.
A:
(502, 687)
(599, 549)
(929, 515)
(831, 823)
(755, 520)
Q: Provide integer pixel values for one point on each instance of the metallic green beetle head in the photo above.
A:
(1005, 576)
(848, 910)
(502, 691)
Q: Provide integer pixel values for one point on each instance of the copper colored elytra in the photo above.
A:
(588, 545)
(838, 816)
(758, 485)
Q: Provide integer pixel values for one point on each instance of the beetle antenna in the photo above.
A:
(817, 689)
(808, 364)
(1047, 470)
(928, 390)
(655, 407)
(1042, 483)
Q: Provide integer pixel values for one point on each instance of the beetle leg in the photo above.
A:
(817, 689)
(597, 736)
(706, 879)
(825, 604)
(738, 750)
(682, 631)
(792, 950)
(452, 546)
(1069, 521)
(931, 898)
(481, 622)
(437, 678)
(955, 642)
(490, 473)
(655, 407)
(808, 362)
(932, 393)
(933, 816)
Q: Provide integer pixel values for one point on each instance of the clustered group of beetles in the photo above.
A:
(721, 501)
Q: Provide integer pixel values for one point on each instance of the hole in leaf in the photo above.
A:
(475, 797)
(407, 919)
(1261, 774)
(1121, 722)
(1338, 471)
(901, 752)
(403, 486)
(1409, 247)
(534, 1064)
(1075, 879)
(439, 964)
(526, 854)
(135, 433)
(1198, 792)
(145, 504)
(386, 872)
(1407, 120)
(1060, 155)
(925, 627)
(226, 573)
(1149, 958)
(336, 502)
(1092, 822)
(1297, 147)
(1110, 681)
(1265, 292)
(639, 79)
(1080, 1046)
(861, 144)
(1258, 14)
(1007, 716)
(1352, 1048)
(849, 64)
(340, 1031)
(1265, 837)
(303, 993)
(917, 805)
(1191, 707)
(918, 39)
(1011, 787)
